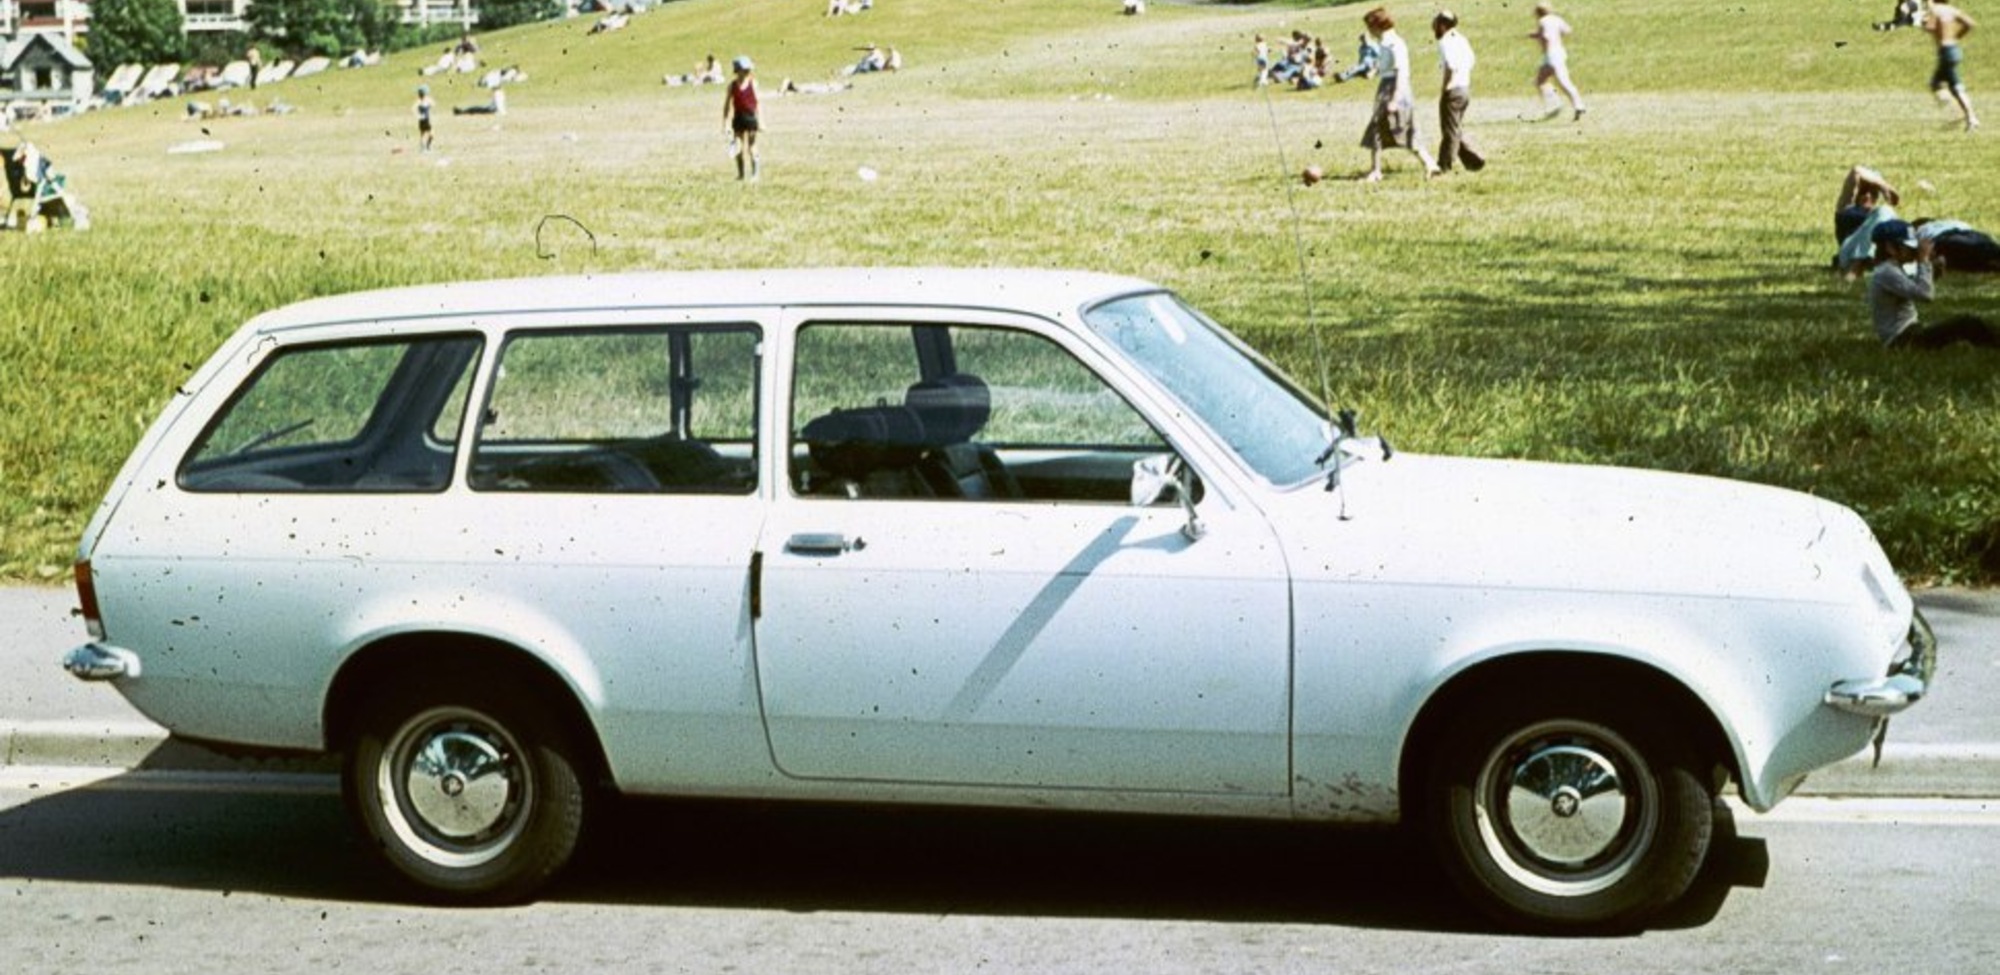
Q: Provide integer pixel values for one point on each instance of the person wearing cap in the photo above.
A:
(1866, 199)
(423, 109)
(1455, 60)
(739, 113)
(1902, 277)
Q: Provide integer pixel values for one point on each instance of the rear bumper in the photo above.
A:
(100, 662)
(1908, 680)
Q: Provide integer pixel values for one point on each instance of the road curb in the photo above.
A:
(79, 744)
(1949, 771)
(133, 746)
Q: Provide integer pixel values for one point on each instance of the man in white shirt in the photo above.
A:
(1455, 60)
(1551, 32)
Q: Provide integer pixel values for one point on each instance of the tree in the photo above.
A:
(328, 27)
(495, 14)
(134, 32)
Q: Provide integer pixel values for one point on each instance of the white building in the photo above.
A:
(44, 74)
(72, 17)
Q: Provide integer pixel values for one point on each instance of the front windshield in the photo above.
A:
(1269, 422)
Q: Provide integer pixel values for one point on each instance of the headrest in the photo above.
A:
(854, 443)
(952, 409)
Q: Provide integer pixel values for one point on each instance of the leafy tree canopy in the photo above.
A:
(134, 31)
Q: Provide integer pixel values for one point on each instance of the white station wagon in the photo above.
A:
(997, 538)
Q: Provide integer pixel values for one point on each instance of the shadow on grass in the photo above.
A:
(287, 836)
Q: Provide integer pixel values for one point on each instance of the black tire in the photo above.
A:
(472, 795)
(1559, 815)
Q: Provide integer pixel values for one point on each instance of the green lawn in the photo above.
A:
(1646, 287)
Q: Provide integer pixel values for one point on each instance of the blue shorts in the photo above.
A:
(1946, 75)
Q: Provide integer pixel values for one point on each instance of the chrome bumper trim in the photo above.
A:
(1880, 697)
(97, 662)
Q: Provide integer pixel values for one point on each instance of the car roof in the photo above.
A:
(1054, 293)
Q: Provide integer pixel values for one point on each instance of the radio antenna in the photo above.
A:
(1299, 248)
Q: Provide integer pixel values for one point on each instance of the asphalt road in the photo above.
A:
(163, 874)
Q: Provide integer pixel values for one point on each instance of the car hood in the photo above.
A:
(1513, 524)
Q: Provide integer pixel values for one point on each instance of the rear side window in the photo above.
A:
(667, 410)
(378, 416)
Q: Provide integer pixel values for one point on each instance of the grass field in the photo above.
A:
(1646, 287)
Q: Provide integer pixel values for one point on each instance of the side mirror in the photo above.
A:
(1155, 477)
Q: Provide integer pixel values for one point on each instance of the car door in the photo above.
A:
(1015, 621)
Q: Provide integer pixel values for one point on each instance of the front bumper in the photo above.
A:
(1905, 684)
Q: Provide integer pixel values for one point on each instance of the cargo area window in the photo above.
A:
(360, 417)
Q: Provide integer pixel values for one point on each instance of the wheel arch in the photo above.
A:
(430, 656)
(1707, 738)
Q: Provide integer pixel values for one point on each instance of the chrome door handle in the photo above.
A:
(823, 543)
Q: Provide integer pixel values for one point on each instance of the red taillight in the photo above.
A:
(86, 594)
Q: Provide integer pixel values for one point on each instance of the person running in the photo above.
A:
(1551, 31)
(739, 113)
(1394, 123)
(1455, 59)
(1948, 25)
(423, 109)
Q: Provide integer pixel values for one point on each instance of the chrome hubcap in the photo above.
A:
(1566, 808)
(454, 788)
(459, 784)
(1567, 804)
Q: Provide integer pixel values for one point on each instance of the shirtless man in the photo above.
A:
(1949, 25)
(1551, 31)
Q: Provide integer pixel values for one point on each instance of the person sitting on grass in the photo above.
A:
(1866, 200)
(1903, 277)
(1367, 58)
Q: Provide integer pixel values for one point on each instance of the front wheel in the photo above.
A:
(474, 797)
(1567, 816)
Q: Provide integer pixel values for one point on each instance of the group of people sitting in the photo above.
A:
(1303, 65)
(615, 20)
(460, 58)
(709, 72)
(224, 108)
(1903, 260)
(1306, 65)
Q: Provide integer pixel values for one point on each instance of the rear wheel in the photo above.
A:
(472, 795)
(1565, 815)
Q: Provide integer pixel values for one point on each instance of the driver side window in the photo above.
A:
(957, 412)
